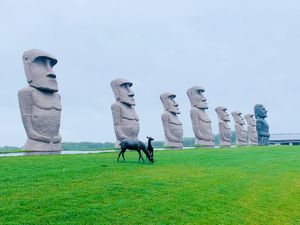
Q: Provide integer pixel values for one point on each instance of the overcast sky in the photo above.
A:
(242, 52)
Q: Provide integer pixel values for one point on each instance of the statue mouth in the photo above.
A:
(51, 76)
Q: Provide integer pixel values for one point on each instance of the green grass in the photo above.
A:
(257, 185)
(21, 150)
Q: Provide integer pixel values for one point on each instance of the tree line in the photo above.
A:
(187, 142)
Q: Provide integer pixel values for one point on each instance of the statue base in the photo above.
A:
(171, 144)
(203, 143)
(38, 146)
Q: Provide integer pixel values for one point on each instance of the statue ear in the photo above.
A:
(147, 137)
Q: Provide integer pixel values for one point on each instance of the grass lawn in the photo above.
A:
(251, 185)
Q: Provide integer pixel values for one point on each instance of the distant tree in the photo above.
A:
(217, 139)
(233, 137)
(5, 148)
(188, 142)
(86, 145)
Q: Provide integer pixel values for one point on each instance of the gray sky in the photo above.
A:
(242, 52)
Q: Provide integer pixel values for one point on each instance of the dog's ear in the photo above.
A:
(147, 137)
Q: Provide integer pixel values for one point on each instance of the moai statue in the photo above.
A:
(262, 126)
(172, 126)
(200, 121)
(126, 121)
(241, 132)
(224, 129)
(251, 129)
(39, 102)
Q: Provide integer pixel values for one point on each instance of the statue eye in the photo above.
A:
(124, 85)
(40, 61)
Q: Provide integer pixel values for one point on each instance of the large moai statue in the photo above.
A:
(224, 129)
(241, 132)
(125, 119)
(39, 102)
(200, 121)
(251, 129)
(262, 126)
(172, 126)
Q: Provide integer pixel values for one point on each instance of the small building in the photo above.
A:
(285, 139)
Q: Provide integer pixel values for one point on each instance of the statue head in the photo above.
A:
(169, 103)
(222, 113)
(260, 111)
(38, 67)
(196, 97)
(250, 119)
(122, 91)
(237, 116)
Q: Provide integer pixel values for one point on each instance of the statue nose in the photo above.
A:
(48, 65)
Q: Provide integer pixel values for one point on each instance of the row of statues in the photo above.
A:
(126, 122)
(40, 108)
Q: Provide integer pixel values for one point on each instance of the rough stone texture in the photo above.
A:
(224, 129)
(262, 126)
(200, 121)
(251, 129)
(126, 121)
(241, 132)
(39, 103)
(172, 126)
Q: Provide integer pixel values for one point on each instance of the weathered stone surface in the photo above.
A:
(125, 118)
(200, 120)
(241, 132)
(39, 103)
(251, 129)
(172, 126)
(262, 126)
(224, 129)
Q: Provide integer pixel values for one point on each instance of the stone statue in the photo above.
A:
(241, 132)
(39, 102)
(224, 129)
(262, 126)
(200, 121)
(251, 129)
(172, 126)
(126, 121)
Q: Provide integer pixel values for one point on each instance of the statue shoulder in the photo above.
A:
(260, 120)
(115, 106)
(57, 95)
(165, 115)
(25, 91)
(194, 110)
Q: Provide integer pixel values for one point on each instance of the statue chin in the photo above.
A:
(127, 101)
(262, 114)
(45, 87)
(174, 110)
(201, 106)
